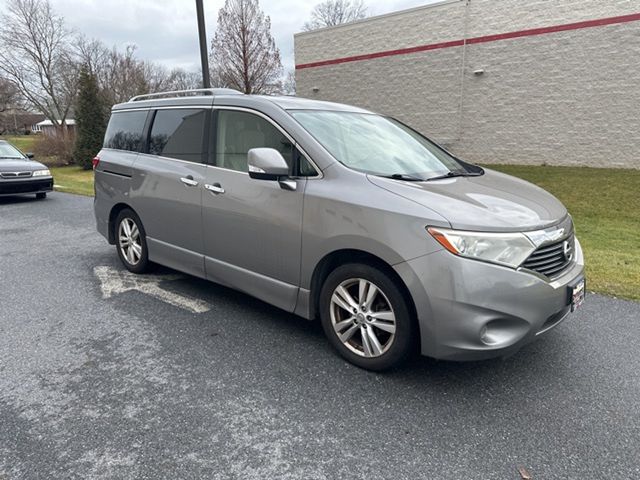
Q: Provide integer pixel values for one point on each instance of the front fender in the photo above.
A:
(344, 211)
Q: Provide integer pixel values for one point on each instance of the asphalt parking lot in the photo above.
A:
(179, 378)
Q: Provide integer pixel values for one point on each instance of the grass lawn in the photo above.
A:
(21, 142)
(73, 180)
(605, 205)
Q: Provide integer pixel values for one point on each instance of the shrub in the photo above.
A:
(54, 150)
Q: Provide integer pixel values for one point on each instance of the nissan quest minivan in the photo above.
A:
(334, 212)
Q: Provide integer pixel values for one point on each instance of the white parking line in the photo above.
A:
(113, 282)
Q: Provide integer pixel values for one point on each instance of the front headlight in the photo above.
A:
(510, 249)
(42, 173)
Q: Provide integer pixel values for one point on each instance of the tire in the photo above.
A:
(41, 195)
(368, 342)
(131, 241)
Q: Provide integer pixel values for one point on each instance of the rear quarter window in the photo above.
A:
(124, 131)
(178, 133)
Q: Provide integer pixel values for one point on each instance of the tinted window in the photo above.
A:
(239, 132)
(125, 131)
(177, 133)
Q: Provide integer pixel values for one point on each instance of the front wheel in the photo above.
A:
(131, 241)
(366, 317)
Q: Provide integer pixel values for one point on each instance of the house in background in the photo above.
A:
(48, 128)
(18, 121)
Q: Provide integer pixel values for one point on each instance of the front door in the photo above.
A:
(252, 228)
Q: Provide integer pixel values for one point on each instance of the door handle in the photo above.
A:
(189, 181)
(215, 188)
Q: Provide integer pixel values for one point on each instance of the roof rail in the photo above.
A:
(184, 93)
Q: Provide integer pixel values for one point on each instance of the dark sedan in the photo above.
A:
(20, 175)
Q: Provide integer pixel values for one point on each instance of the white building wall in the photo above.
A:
(562, 98)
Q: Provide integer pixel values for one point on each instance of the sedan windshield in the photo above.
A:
(379, 145)
(9, 152)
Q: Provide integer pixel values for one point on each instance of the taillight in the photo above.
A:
(95, 162)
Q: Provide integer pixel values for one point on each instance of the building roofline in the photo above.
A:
(378, 17)
(46, 122)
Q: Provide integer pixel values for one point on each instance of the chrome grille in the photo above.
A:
(552, 259)
(15, 174)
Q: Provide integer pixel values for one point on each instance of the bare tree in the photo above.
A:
(9, 95)
(124, 76)
(216, 77)
(289, 83)
(121, 75)
(159, 79)
(244, 53)
(179, 79)
(9, 106)
(335, 12)
(92, 54)
(36, 57)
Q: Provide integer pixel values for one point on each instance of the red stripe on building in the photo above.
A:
(488, 38)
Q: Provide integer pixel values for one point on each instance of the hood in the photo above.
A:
(490, 202)
(20, 165)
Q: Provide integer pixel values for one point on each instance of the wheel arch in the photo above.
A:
(113, 214)
(334, 259)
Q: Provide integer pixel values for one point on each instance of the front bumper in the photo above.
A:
(26, 186)
(471, 310)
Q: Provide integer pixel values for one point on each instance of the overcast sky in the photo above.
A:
(166, 30)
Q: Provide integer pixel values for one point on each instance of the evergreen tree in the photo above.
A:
(90, 115)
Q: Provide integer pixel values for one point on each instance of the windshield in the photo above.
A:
(9, 152)
(378, 145)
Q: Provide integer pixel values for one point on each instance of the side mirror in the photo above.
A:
(266, 164)
(29, 155)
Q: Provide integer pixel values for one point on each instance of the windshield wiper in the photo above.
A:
(403, 176)
(10, 158)
(455, 174)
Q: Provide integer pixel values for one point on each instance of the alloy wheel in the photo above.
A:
(129, 241)
(362, 317)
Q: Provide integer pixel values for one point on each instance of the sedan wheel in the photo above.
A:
(362, 317)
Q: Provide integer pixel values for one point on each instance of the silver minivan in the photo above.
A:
(334, 212)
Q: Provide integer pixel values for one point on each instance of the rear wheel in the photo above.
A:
(41, 195)
(366, 317)
(131, 241)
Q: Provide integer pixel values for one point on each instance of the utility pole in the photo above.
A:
(204, 53)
